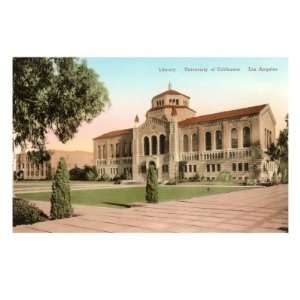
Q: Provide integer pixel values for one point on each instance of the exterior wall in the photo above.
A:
(46, 170)
(114, 163)
(161, 121)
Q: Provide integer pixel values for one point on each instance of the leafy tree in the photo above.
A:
(61, 197)
(152, 185)
(279, 152)
(53, 94)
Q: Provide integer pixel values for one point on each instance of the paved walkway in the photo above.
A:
(253, 210)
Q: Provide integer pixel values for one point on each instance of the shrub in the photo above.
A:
(152, 185)
(26, 213)
(224, 176)
(61, 196)
(85, 173)
(274, 178)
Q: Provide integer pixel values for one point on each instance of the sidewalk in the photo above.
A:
(253, 210)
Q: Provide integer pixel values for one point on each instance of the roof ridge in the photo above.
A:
(114, 133)
(250, 110)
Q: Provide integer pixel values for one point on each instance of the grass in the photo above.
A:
(125, 196)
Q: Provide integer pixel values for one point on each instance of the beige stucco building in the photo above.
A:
(27, 169)
(182, 144)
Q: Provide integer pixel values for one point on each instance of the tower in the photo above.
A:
(173, 145)
(135, 149)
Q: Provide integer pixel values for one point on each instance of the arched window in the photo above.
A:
(234, 138)
(162, 144)
(154, 144)
(112, 150)
(118, 152)
(195, 142)
(99, 152)
(185, 143)
(146, 146)
(219, 142)
(125, 150)
(246, 137)
(104, 152)
(208, 141)
(130, 149)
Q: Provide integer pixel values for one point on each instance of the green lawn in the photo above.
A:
(124, 196)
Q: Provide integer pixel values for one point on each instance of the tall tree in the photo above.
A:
(53, 94)
(61, 196)
(152, 185)
(279, 152)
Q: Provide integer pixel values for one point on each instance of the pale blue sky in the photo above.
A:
(132, 82)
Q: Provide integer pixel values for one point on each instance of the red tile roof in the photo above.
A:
(170, 92)
(231, 114)
(169, 106)
(114, 133)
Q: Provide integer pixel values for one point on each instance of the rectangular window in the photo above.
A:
(240, 167)
(195, 168)
(165, 168)
(208, 168)
(143, 169)
(219, 167)
(213, 168)
(190, 168)
(233, 167)
(246, 167)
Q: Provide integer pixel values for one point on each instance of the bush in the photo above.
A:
(26, 213)
(224, 176)
(61, 196)
(85, 173)
(171, 182)
(152, 185)
(274, 178)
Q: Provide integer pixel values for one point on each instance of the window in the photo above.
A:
(246, 137)
(233, 167)
(213, 168)
(143, 169)
(165, 168)
(104, 152)
(208, 141)
(190, 168)
(185, 168)
(154, 145)
(234, 138)
(219, 140)
(130, 149)
(99, 152)
(185, 143)
(118, 150)
(218, 167)
(112, 150)
(194, 142)
(162, 144)
(246, 167)
(177, 102)
(195, 168)
(208, 168)
(240, 167)
(125, 150)
(146, 146)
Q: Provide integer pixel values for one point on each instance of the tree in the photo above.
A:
(53, 94)
(61, 196)
(152, 185)
(279, 152)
